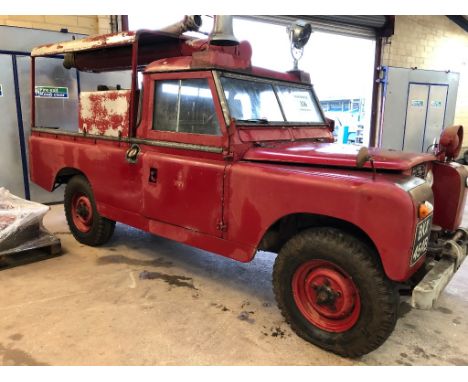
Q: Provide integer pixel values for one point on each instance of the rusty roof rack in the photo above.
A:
(115, 51)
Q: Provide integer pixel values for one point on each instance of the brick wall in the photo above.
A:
(78, 24)
(435, 43)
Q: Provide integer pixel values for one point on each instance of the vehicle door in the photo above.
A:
(184, 138)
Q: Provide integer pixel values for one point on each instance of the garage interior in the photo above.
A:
(142, 299)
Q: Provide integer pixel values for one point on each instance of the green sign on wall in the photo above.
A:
(51, 92)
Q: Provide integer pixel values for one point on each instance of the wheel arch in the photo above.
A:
(286, 227)
(65, 174)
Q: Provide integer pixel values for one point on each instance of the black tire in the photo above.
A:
(100, 229)
(378, 296)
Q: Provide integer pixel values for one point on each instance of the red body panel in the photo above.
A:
(188, 191)
(449, 194)
(327, 154)
(256, 196)
(120, 189)
(261, 194)
(256, 134)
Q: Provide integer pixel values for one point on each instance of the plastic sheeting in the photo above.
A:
(21, 226)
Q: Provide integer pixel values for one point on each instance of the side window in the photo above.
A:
(185, 106)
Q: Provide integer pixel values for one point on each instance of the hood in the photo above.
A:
(332, 154)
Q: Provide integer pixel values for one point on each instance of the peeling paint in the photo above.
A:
(105, 113)
(88, 43)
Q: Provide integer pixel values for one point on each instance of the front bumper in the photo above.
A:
(442, 269)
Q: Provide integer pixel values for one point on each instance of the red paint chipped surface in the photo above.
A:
(105, 112)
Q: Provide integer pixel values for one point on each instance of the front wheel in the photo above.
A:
(85, 222)
(333, 292)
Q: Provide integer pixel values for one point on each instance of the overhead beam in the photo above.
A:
(461, 21)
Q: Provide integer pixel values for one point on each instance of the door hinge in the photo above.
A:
(221, 227)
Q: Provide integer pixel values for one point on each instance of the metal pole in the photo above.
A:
(33, 92)
(132, 127)
(19, 117)
(374, 126)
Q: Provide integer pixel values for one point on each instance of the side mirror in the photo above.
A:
(362, 157)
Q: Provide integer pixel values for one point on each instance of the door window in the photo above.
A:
(185, 106)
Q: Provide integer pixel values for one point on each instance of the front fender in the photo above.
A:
(261, 194)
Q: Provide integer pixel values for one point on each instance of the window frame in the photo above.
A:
(181, 137)
(273, 82)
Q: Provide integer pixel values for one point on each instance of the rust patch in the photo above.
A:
(88, 43)
(105, 112)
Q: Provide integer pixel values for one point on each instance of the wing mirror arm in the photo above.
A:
(363, 157)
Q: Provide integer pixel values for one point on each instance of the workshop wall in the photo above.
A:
(76, 24)
(433, 43)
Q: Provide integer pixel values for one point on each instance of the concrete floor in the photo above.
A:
(144, 300)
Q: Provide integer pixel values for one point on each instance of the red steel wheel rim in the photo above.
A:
(82, 212)
(326, 296)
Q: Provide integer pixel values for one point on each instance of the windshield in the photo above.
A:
(264, 102)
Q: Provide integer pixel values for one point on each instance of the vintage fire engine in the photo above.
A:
(213, 152)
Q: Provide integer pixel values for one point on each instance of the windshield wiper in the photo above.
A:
(254, 120)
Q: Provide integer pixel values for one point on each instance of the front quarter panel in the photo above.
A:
(260, 194)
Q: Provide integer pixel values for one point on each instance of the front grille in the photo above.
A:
(419, 171)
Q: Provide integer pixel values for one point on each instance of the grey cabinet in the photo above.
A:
(416, 106)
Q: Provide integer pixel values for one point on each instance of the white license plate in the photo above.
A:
(421, 239)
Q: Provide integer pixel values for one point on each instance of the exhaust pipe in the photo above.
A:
(189, 23)
(223, 34)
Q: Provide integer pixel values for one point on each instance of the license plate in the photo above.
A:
(421, 239)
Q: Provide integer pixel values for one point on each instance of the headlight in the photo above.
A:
(430, 178)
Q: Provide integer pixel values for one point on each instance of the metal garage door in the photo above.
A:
(358, 26)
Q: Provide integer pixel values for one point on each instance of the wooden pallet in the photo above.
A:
(43, 252)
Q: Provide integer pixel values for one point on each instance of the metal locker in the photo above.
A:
(401, 120)
(415, 123)
(435, 114)
(11, 172)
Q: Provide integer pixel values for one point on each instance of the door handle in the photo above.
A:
(153, 175)
(131, 156)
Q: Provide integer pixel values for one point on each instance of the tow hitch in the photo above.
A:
(442, 268)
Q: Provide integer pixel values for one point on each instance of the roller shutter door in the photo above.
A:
(357, 26)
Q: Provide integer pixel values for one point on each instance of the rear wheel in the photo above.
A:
(85, 222)
(334, 293)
